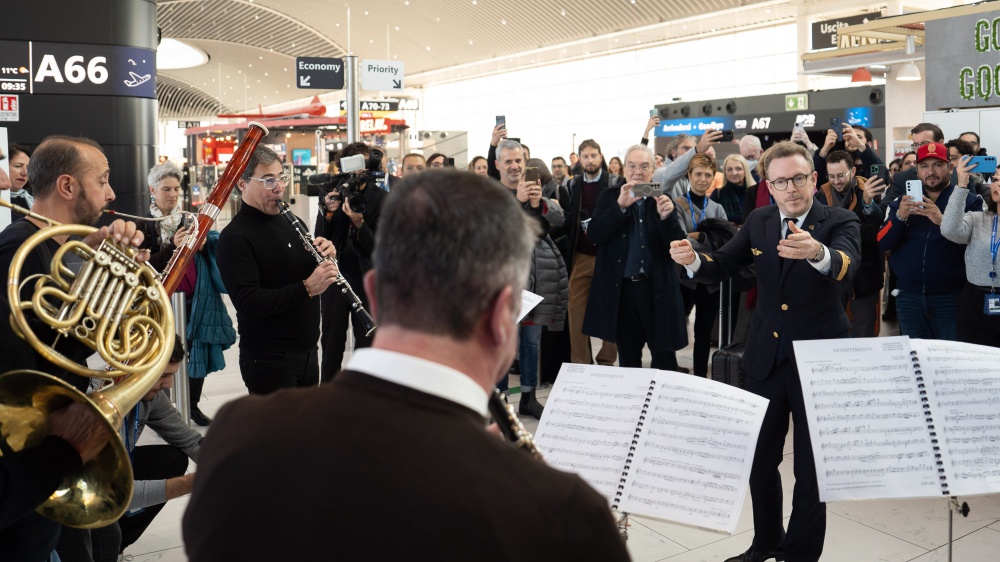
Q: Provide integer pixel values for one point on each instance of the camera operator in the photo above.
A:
(349, 218)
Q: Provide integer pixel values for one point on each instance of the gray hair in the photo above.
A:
(161, 172)
(507, 144)
(448, 242)
(675, 142)
(752, 142)
(261, 155)
(639, 148)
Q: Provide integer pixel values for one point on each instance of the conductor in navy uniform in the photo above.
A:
(805, 255)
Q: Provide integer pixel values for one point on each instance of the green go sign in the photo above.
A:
(963, 61)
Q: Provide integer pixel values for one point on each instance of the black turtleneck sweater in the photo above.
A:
(263, 265)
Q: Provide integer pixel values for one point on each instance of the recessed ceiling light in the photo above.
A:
(173, 54)
(428, 47)
(503, 22)
(564, 12)
(470, 41)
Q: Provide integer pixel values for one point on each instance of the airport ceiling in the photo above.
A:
(252, 44)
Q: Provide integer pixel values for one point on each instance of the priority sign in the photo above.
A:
(381, 75)
(319, 73)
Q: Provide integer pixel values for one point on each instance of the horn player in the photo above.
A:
(70, 183)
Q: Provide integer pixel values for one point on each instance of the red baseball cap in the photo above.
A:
(932, 150)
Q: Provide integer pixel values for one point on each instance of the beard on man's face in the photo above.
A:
(87, 213)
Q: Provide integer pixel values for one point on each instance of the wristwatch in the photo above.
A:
(819, 256)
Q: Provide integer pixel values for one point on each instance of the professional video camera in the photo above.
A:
(347, 184)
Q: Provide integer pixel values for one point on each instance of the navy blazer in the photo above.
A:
(609, 230)
(794, 300)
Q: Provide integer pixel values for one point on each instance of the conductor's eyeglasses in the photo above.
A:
(272, 183)
(782, 184)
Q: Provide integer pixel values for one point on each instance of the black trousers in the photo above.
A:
(807, 526)
(636, 328)
(267, 371)
(333, 326)
(973, 325)
(151, 462)
(707, 310)
(554, 351)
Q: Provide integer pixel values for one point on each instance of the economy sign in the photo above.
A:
(963, 61)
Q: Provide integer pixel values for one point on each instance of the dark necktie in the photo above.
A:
(788, 226)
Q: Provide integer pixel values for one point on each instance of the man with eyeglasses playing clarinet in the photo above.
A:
(273, 282)
(806, 255)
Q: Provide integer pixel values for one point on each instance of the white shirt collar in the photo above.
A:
(422, 375)
(799, 219)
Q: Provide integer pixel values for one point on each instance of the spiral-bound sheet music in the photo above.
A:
(901, 418)
(654, 443)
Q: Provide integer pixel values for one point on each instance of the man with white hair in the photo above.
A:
(635, 297)
(750, 149)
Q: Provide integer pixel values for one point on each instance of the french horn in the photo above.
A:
(116, 306)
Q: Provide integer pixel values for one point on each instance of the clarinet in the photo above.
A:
(511, 427)
(345, 288)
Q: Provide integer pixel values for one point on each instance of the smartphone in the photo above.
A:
(798, 126)
(502, 120)
(449, 162)
(647, 190)
(879, 171)
(531, 174)
(984, 164)
(837, 128)
(515, 139)
(187, 221)
(727, 135)
(653, 113)
(915, 189)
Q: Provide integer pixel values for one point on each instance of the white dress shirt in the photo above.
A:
(422, 375)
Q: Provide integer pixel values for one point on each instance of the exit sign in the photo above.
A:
(796, 102)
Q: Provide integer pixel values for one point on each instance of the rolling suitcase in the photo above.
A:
(726, 361)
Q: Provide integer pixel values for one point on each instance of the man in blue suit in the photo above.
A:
(805, 254)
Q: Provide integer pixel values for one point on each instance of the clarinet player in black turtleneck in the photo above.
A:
(273, 283)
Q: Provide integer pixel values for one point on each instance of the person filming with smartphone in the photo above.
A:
(859, 195)
(635, 298)
(547, 277)
(929, 267)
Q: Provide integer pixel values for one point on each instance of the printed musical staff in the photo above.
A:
(681, 446)
(922, 423)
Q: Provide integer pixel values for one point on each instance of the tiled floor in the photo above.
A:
(889, 531)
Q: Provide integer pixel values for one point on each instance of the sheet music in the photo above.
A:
(589, 422)
(869, 435)
(529, 300)
(963, 388)
(696, 445)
